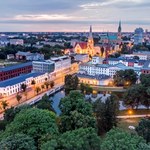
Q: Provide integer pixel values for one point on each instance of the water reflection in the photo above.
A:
(56, 99)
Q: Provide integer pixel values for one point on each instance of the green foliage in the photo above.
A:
(79, 139)
(4, 104)
(17, 142)
(33, 122)
(76, 112)
(45, 103)
(85, 88)
(132, 97)
(23, 87)
(106, 113)
(143, 129)
(71, 83)
(10, 113)
(125, 77)
(18, 97)
(116, 139)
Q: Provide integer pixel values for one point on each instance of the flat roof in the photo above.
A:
(19, 79)
(13, 67)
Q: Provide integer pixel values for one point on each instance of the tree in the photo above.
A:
(10, 113)
(82, 88)
(45, 103)
(116, 139)
(37, 89)
(46, 84)
(23, 87)
(33, 82)
(143, 129)
(17, 142)
(136, 57)
(79, 139)
(76, 112)
(132, 98)
(18, 97)
(125, 77)
(34, 123)
(42, 87)
(71, 83)
(52, 84)
(106, 113)
(4, 104)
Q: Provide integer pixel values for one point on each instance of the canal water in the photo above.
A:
(56, 99)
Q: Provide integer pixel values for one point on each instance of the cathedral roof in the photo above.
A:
(83, 45)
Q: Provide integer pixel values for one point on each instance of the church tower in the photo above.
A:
(90, 43)
(119, 30)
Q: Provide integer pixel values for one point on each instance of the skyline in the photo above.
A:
(67, 15)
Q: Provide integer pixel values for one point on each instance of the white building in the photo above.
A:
(13, 85)
(43, 66)
(16, 41)
(99, 80)
(82, 57)
(140, 55)
(105, 69)
(61, 62)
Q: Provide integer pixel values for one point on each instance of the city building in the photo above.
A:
(126, 61)
(43, 66)
(29, 56)
(105, 69)
(98, 80)
(142, 54)
(61, 62)
(131, 56)
(10, 56)
(138, 36)
(13, 85)
(146, 68)
(15, 70)
(81, 57)
(16, 41)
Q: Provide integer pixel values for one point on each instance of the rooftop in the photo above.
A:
(18, 79)
(13, 67)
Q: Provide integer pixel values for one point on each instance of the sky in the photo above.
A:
(73, 15)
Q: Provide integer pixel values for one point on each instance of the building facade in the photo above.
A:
(15, 70)
(16, 41)
(13, 85)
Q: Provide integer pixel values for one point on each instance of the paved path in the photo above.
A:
(133, 116)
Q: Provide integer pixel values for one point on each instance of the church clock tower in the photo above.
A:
(119, 31)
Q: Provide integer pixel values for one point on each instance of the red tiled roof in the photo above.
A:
(83, 45)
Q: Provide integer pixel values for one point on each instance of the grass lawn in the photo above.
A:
(134, 112)
(125, 123)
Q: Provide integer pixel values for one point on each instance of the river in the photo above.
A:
(56, 99)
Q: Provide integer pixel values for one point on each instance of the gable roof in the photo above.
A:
(83, 45)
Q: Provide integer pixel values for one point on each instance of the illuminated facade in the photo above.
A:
(86, 47)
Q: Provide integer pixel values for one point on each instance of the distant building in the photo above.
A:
(16, 41)
(43, 66)
(82, 57)
(15, 70)
(29, 56)
(146, 68)
(10, 56)
(61, 62)
(13, 85)
(138, 36)
(105, 69)
(98, 80)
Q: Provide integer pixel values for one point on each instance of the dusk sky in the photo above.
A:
(73, 15)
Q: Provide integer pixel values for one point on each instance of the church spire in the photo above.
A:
(90, 33)
(119, 28)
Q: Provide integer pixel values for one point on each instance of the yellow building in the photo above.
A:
(86, 47)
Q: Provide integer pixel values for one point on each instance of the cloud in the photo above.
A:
(43, 17)
(115, 3)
